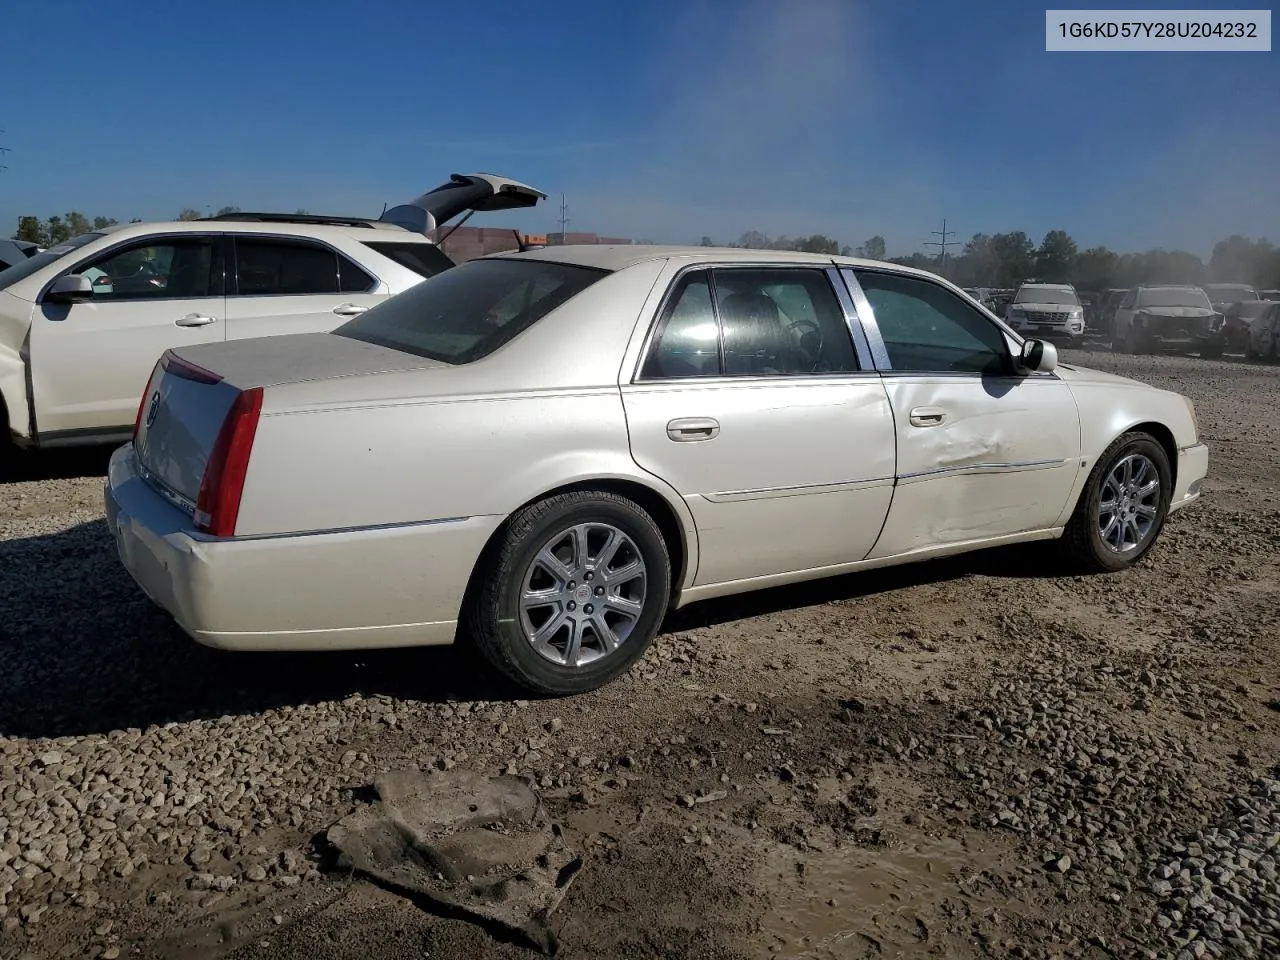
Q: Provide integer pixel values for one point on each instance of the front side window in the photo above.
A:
(272, 268)
(928, 329)
(1130, 298)
(467, 312)
(157, 270)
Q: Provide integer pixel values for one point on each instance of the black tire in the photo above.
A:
(1211, 351)
(1082, 539)
(494, 617)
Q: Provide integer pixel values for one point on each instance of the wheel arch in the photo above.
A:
(674, 523)
(1163, 436)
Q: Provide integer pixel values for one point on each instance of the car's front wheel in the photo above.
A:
(1123, 506)
(572, 593)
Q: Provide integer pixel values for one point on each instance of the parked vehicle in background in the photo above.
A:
(1106, 313)
(1049, 311)
(1151, 319)
(544, 452)
(1237, 322)
(14, 252)
(983, 296)
(82, 324)
(1222, 296)
(1269, 294)
(1264, 333)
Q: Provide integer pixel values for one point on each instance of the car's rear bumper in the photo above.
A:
(373, 587)
(1193, 467)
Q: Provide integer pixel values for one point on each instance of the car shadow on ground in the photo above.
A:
(83, 651)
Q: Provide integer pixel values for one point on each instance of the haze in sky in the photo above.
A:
(664, 120)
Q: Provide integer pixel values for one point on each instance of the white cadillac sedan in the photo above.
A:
(543, 453)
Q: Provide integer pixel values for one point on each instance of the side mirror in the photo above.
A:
(1038, 356)
(70, 288)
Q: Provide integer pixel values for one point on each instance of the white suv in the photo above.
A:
(83, 323)
(1047, 311)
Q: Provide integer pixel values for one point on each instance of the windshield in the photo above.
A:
(467, 312)
(1046, 295)
(1230, 292)
(20, 271)
(1173, 297)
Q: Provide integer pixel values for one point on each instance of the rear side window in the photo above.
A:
(469, 311)
(270, 268)
(424, 259)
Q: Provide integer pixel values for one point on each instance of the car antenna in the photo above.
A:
(520, 244)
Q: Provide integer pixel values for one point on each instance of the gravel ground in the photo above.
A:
(973, 757)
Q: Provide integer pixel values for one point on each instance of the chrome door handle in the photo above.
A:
(195, 320)
(928, 416)
(693, 428)
(349, 309)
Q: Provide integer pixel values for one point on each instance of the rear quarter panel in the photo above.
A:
(543, 412)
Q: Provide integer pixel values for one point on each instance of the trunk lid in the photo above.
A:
(192, 390)
(465, 192)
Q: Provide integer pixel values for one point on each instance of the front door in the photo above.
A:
(983, 452)
(90, 361)
(282, 286)
(752, 403)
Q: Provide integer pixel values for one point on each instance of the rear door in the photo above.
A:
(754, 403)
(281, 285)
(90, 361)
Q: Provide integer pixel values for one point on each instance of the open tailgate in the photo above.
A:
(464, 193)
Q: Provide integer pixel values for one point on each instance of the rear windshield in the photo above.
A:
(20, 271)
(469, 311)
(1173, 297)
(425, 259)
(1046, 295)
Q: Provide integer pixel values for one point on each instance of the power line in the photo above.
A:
(943, 243)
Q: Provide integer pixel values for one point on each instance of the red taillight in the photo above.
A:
(142, 404)
(177, 367)
(218, 504)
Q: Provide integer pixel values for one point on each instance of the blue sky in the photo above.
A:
(658, 119)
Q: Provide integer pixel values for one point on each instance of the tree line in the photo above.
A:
(55, 229)
(1006, 259)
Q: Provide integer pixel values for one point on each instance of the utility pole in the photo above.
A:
(943, 243)
(3, 151)
(564, 220)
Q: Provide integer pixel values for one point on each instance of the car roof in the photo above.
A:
(1055, 286)
(614, 257)
(285, 227)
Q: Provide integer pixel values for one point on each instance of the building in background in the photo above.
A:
(467, 243)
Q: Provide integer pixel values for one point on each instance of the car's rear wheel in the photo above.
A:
(1123, 506)
(573, 592)
(1211, 351)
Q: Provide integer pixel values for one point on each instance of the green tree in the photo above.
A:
(818, 243)
(57, 230)
(873, 249)
(1055, 256)
(707, 242)
(101, 223)
(77, 223)
(223, 211)
(1015, 258)
(1096, 269)
(32, 230)
(189, 213)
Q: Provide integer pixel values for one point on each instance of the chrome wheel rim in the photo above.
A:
(582, 594)
(1129, 503)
